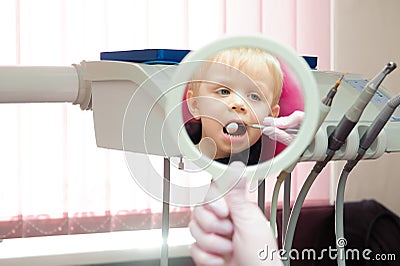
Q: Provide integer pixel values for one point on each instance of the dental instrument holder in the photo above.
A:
(335, 141)
(352, 116)
(351, 86)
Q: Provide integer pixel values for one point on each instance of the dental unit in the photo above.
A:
(137, 108)
(335, 142)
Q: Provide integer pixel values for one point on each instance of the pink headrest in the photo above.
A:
(291, 98)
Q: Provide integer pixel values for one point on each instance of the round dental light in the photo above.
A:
(292, 60)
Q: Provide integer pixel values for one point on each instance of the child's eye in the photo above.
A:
(254, 97)
(223, 91)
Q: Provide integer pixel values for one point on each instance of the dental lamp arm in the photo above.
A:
(34, 84)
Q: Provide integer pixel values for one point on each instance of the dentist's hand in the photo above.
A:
(275, 127)
(231, 230)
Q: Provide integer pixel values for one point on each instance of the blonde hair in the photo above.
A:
(251, 58)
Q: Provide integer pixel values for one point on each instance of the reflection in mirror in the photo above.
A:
(232, 97)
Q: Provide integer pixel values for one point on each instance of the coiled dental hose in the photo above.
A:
(366, 141)
(335, 142)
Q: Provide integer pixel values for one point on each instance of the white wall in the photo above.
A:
(366, 36)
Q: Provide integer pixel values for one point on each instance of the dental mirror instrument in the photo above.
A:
(234, 126)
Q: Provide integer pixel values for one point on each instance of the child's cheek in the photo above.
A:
(211, 107)
(261, 112)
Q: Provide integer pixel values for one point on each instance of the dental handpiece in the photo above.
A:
(326, 102)
(373, 131)
(328, 99)
(352, 116)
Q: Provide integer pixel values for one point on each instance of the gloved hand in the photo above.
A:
(274, 127)
(231, 230)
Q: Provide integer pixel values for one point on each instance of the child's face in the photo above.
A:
(232, 96)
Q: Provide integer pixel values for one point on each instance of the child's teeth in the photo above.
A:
(232, 127)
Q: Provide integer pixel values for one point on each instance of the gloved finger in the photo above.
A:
(241, 208)
(278, 135)
(212, 243)
(238, 195)
(215, 202)
(285, 138)
(269, 121)
(210, 223)
(270, 132)
(236, 198)
(229, 178)
(202, 257)
(293, 120)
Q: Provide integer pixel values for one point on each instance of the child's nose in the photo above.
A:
(238, 104)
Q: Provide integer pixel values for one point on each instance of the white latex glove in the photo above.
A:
(231, 230)
(274, 127)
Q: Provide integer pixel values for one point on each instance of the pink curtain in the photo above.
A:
(53, 178)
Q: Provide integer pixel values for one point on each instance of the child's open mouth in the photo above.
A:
(235, 129)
